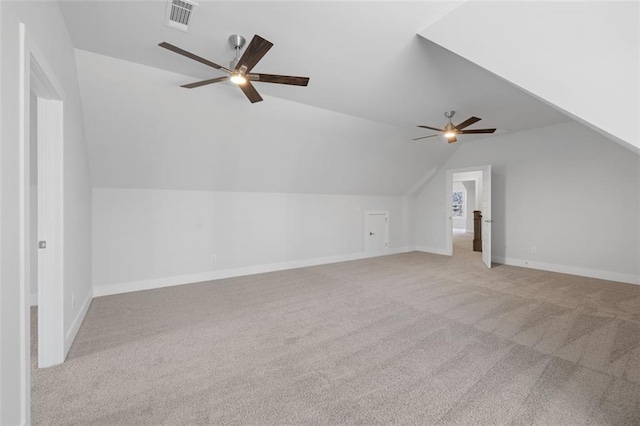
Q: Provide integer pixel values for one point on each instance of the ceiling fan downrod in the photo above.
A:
(237, 42)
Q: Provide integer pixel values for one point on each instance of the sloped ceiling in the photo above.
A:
(581, 40)
(146, 132)
(372, 81)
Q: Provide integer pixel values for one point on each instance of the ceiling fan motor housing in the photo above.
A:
(236, 41)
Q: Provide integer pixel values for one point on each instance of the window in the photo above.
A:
(458, 204)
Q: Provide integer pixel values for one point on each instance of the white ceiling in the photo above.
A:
(364, 58)
(349, 132)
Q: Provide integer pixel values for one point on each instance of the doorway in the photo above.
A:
(376, 237)
(42, 205)
(468, 190)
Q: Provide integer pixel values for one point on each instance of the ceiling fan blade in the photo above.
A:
(467, 122)
(280, 79)
(190, 55)
(431, 128)
(204, 82)
(424, 137)
(452, 140)
(255, 51)
(250, 92)
(469, 132)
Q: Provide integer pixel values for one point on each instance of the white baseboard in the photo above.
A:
(434, 250)
(126, 287)
(572, 270)
(34, 299)
(77, 322)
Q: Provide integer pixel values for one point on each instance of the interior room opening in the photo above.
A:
(465, 211)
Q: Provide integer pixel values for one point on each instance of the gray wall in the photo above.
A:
(46, 29)
(563, 189)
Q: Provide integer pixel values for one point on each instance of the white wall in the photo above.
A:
(46, 28)
(563, 189)
(557, 50)
(470, 186)
(148, 238)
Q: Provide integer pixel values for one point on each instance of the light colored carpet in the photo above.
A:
(411, 339)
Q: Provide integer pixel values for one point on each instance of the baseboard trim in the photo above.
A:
(572, 270)
(33, 299)
(77, 322)
(126, 287)
(433, 250)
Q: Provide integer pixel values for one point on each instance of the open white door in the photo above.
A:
(486, 215)
(39, 79)
(51, 339)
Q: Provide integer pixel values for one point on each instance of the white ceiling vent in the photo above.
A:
(179, 14)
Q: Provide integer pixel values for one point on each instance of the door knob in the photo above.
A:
(372, 233)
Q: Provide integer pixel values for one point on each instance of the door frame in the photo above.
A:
(448, 218)
(367, 214)
(36, 75)
(2, 402)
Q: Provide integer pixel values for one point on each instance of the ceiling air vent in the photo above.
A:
(179, 14)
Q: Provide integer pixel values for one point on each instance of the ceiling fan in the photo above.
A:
(240, 68)
(451, 130)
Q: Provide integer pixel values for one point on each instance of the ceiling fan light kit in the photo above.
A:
(239, 71)
(238, 78)
(451, 131)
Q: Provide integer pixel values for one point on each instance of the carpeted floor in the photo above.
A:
(412, 339)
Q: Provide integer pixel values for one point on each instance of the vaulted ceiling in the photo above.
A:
(373, 79)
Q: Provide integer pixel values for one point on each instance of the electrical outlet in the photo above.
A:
(214, 258)
(533, 250)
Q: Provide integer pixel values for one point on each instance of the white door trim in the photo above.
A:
(448, 190)
(487, 215)
(369, 213)
(1, 365)
(34, 68)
